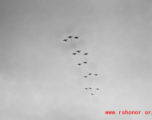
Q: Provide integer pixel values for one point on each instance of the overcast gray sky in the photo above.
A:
(39, 76)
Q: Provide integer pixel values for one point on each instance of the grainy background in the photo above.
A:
(39, 78)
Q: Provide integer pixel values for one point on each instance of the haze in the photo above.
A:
(39, 76)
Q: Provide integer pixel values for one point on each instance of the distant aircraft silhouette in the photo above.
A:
(95, 74)
(85, 53)
(86, 88)
(90, 88)
(76, 37)
(79, 64)
(70, 37)
(78, 51)
(92, 94)
(74, 53)
(85, 76)
(85, 62)
(90, 73)
(65, 40)
(97, 88)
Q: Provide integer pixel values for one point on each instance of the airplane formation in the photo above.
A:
(79, 64)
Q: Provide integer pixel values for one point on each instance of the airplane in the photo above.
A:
(90, 88)
(85, 53)
(86, 88)
(92, 94)
(97, 88)
(95, 74)
(79, 64)
(85, 62)
(76, 37)
(85, 76)
(65, 40)
(78, 51)
(90, 73)
(70, 37)
(74, 53)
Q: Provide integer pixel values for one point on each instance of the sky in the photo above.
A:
(39, 75)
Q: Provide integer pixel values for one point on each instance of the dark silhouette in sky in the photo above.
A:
(70, 37)
(95, 74)
(85, 53)
(76, 37)
(78, 51)
(65, 40)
